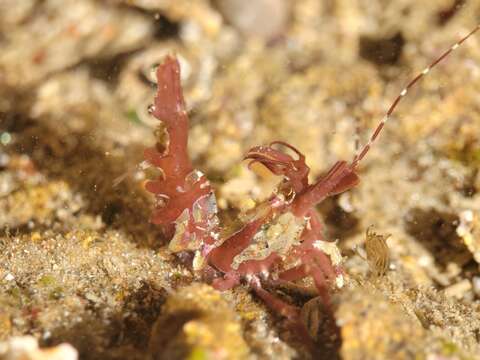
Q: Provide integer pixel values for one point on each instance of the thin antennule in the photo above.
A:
(363, 151)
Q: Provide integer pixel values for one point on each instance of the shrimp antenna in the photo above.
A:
(364, 150)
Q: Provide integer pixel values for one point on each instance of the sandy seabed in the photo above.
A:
(81, 264)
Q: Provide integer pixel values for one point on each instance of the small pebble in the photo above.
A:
(459, 289)
(476, 285)
(250, 16)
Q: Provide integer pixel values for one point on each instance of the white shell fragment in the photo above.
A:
(26, 348)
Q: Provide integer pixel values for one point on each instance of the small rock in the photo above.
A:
(196, 322)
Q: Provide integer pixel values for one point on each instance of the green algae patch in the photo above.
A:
(47, 281)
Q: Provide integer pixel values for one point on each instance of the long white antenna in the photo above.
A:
(364, 150)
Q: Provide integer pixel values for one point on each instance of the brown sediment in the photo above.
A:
(79, 261)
